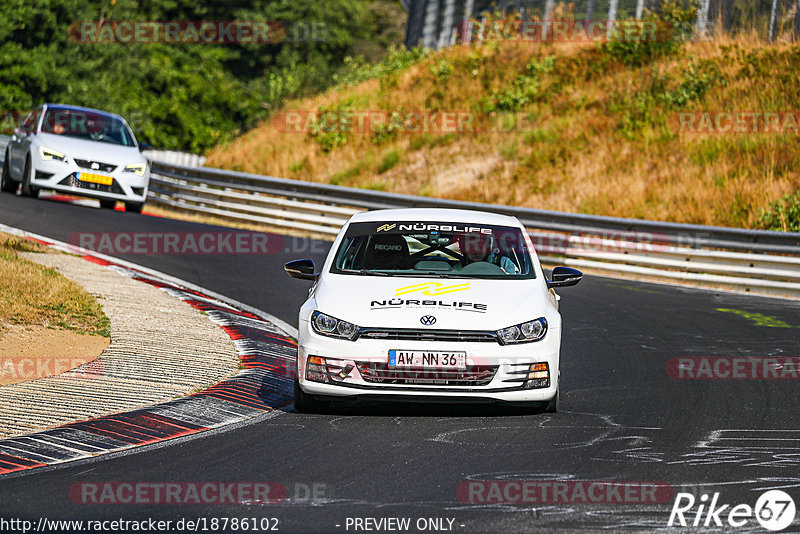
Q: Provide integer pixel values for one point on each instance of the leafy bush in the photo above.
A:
(356, 69)
(783, 214)
(330, 128)
(441, 69)
(673, 25)
(698, 79)
(525, 88)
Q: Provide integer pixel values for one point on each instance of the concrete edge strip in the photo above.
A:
(266, 347)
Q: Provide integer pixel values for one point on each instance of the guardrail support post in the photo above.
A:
(702, 18)
(772, 17)
(612, 17)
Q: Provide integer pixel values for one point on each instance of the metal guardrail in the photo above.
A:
(174, 157)
(753, 260)
(4, 140)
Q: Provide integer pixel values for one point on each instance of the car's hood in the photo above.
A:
(459, 304)
(91, 150)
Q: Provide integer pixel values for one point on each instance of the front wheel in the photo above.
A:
(134, 207)
(552, 406)
(28, 190)
(7, 185)
(304, 402)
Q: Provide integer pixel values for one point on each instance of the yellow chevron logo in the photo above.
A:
(432, 289)
(387, 227)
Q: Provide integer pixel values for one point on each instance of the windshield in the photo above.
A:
(88, 125)
(433, 249)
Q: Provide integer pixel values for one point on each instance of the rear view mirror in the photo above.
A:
(564, 276)
(301, 269)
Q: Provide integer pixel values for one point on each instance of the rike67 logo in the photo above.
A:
(774, 510)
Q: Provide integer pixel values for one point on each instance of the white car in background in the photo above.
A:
(79, 151)
(417, 304)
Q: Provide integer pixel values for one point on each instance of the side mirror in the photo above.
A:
(144, 146)
(564, 276)
(301, 269)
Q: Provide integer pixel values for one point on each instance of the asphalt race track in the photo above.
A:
(623, 417)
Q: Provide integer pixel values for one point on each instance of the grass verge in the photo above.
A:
(34, 295)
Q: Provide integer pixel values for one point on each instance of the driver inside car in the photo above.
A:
(479, 248)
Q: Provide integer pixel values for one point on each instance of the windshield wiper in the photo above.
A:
(365, 272)
(437, 274)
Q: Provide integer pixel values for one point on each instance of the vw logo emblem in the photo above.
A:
(428, 320)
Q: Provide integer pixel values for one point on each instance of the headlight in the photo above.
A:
(136, 168)
(49, 154)
(523, 333)
(325, 325)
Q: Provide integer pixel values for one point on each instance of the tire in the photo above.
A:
(134, 207)
(304, 402)
(108, 204)
(27, 189)
(552, 406)
(7, 185)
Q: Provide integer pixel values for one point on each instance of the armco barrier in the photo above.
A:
(4, 140)
(757, 260)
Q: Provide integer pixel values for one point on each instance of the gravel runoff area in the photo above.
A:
(160, 348)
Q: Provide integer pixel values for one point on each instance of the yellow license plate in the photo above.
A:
(95, 178)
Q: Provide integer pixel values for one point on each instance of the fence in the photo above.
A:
(751, 260)
(439, 23)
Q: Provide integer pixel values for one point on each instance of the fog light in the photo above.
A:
(315, 369)
(538, 376)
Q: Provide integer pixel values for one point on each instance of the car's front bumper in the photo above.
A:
(61, 176)
(371, 377)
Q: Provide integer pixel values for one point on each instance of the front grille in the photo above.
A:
(412, 334)
(381, 373)
(72, 181)
(95, 165)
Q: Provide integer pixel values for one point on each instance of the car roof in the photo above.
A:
(436, 215)
(80, 108)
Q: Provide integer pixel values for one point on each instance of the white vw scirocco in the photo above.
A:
(430, 304)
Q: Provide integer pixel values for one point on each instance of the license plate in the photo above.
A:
(94, 178)
(427, 359)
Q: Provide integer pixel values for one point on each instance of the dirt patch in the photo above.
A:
(31, 352)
